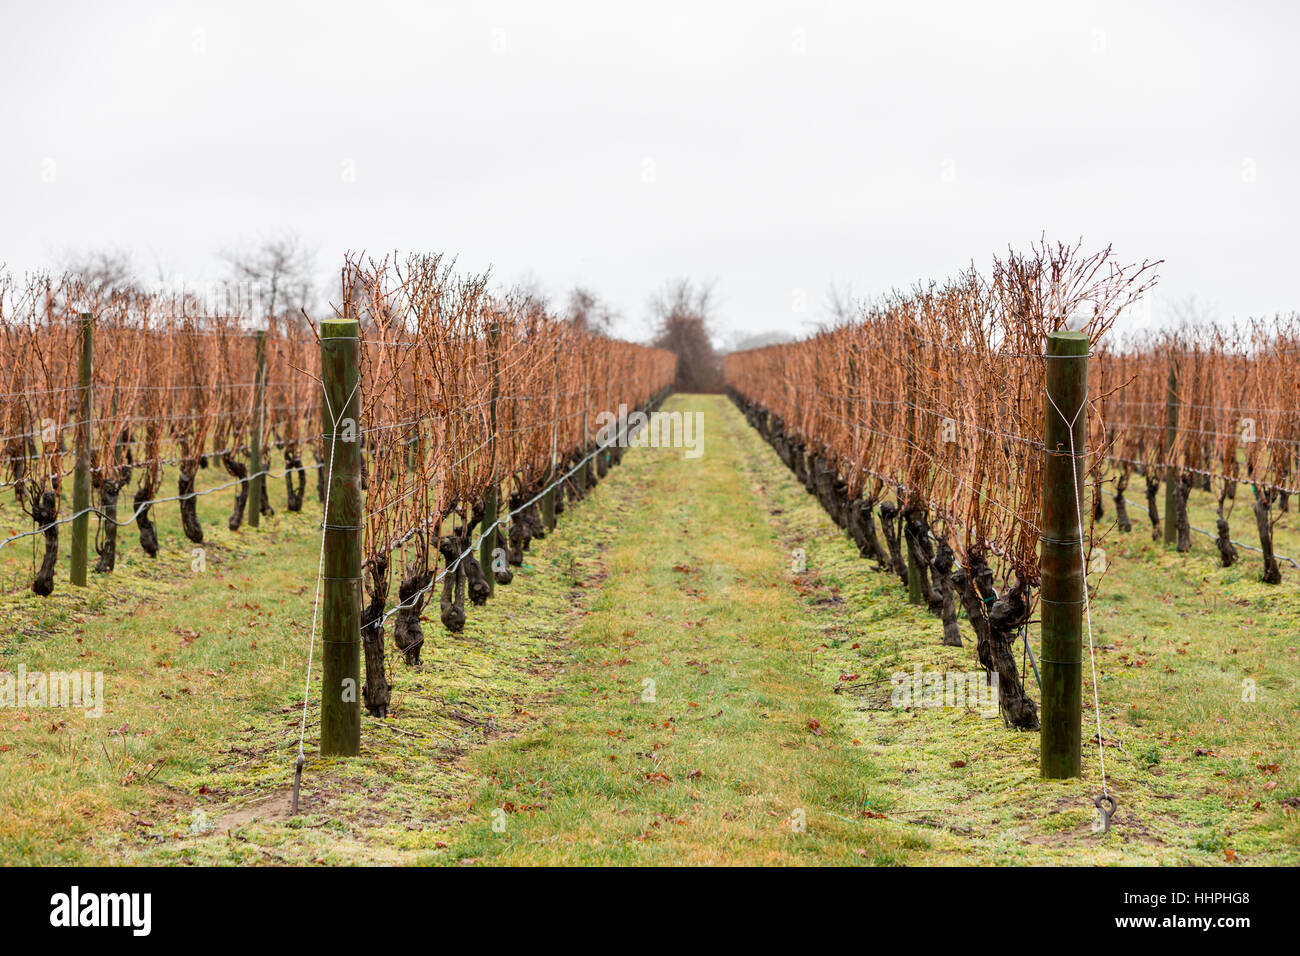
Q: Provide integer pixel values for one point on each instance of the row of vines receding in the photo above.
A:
(465, 387)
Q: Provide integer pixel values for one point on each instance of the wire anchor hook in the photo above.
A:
(1107, 811)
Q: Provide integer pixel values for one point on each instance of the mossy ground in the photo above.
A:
(657, 686)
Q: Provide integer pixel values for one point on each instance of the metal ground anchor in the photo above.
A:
(1106, 814)
(297, 785)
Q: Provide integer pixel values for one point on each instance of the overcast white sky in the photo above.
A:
(775, 147)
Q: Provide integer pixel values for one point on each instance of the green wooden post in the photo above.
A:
(81, 478)
(255, 491)
(914, 594)
(548, 499)
(491, 497)
(340, 723)
(584, 473)
(854, 409)
(548, 502)
(1171, 472)
(609, 402)
(487, 546)
(1061, 739)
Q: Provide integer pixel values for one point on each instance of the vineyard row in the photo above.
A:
(477, 420)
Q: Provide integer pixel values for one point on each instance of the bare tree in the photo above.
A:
(280, 269)
(841, 304)
(588, 312)
(682, 311)
(103, 270)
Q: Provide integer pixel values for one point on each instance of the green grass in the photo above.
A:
(1175, 636)
(534, 738)
(203, 680)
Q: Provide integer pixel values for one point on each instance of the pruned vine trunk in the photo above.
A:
(265, 504)
(1228, 555)
(189, 509)
(239, 471)
(453, 586)
(916, 532)
(1006, 616)
(532, 516)
(889, 521)
(1153, 512)
(148, 534)
(377, 692)
(1184, 527)
(1122, 519)
(44, 512)
(830, 491)
(943, 565)
(1263, 505)
(413, 594)
(1227, 550)
(862, 526)
(976, 613)
(878, 550)
(479, 589)
(295, 479)
(995, 622)
(108, 494)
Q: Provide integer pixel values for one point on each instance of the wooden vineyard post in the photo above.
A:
(491, 503)
(1171, 473)
(914, 594)
(340, 720)
(548, 499)
(1062, 555)
(548, 502)
(605, 450)
(81, 478)
(855, 406)
(584, 473)
(255, 491)
(487, 544)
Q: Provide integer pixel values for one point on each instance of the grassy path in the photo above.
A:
(767, 735)
(692, 726)
(658, 686)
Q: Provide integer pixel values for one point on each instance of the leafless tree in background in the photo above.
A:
(102, 271)
(588, 312)
(281, 271)
(841, 305)
(682, 311)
